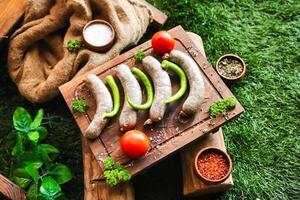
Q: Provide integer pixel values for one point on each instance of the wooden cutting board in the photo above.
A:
(171, 133)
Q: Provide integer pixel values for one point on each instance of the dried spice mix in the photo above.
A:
(212, 165)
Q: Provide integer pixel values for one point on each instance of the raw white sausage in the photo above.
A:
(132, 89)
(196, 81)
(162, 88)
(104, 105)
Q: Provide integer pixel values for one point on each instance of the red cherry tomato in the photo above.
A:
(162, 42)
(135, 143)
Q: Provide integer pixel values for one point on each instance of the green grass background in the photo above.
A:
(264, 142)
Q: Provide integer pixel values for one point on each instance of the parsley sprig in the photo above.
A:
(80, 105)
(74, 45)
(222, 106)
(114, 172)
(139, 55)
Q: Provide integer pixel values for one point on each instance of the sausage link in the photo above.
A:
(162, 88)
(132, 89)
(196, 81)
(104, 105)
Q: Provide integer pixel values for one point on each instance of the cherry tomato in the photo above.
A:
(162, 42)
(135, 143)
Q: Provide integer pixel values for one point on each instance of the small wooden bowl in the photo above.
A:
(104, 47)
(234, 79)
(212, 149)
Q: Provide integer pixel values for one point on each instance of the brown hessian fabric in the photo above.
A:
(38, 60)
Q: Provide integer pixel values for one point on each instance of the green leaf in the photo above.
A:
(21, 172)
(33, 136)
(139, 55)
(32, 192)
(22, 119)
(114, 172)
(33, 172)
(48, 152)
(61, 173)
(18, 149)
(74, 45)
(49, 187)
(31, 158)
(22, 182)
(47, 148)
(60, 196)
(37, 119)
(42, 131)
(80, 105)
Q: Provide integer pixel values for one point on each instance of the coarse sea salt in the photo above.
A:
(98, 34)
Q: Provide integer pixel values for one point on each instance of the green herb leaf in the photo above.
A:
(48, 153)
(109, 163)
(111, 177)
(139, 55)
(18, 149)
(37, 119)
(22, 182)
(31, 158)
(61, 173)
(33, 136)
(32, 192)
(221, 107)
(114, 172)
(80, 105)
(42, 132)
(21, 119)
(60, 196)
(47, 148)
(74, 45)
(21, 172)
(49, 187)
(33, 172)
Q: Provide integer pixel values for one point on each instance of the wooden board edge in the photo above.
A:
(192, 185)
(159, 18)
(11, 190)
(9, 17)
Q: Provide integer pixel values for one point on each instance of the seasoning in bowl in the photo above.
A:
(231, 67)
(213, 165)
(98, 35)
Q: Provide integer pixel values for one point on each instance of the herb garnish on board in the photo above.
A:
(80, 105)
(222, 106)
(114, 172)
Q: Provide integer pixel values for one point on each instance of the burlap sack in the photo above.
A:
(38, 61)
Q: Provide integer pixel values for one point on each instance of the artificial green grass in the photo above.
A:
(263, 142)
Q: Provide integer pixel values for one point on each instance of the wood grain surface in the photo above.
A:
(159, 18)
(167, 136)
(10, 190)
(10, 13)
(99, 190)
(192, 185)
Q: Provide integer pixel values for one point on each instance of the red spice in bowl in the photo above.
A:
(213, 165)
